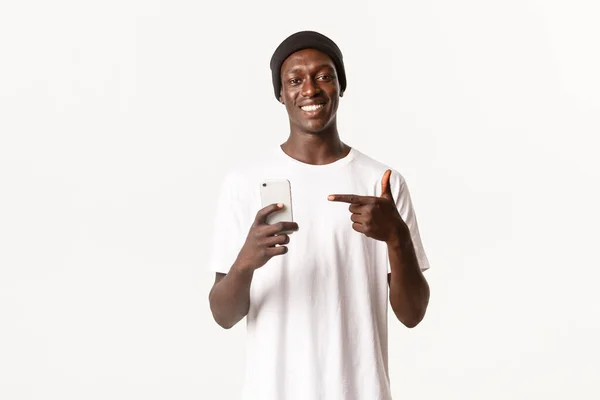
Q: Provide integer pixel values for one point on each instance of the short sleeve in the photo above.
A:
(405, 208)
(228, 232)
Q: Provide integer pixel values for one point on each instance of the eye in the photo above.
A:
(325, 77)
(294, 81)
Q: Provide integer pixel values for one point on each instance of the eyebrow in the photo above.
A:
(289, 71)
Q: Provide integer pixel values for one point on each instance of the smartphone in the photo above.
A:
(277, 191)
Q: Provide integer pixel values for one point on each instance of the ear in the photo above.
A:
(341, 94)
(281, 96)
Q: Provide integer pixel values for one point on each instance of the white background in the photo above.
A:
(118, 119)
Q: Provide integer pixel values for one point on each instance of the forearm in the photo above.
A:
(230, 298)
(409, 291)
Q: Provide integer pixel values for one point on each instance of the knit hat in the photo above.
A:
(306, 40)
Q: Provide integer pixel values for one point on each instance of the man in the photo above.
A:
(316, 299)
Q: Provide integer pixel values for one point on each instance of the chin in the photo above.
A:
(314, 126)
(314, 129)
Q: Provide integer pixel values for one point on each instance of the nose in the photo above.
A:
(310, 88)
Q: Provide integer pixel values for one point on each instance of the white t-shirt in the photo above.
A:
(317, 324)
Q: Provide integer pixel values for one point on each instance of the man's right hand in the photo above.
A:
(262, 239)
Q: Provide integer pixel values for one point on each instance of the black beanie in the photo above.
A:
(306, 40)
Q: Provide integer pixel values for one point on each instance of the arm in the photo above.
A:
(409, 291)
(229, 297)
(380, 218)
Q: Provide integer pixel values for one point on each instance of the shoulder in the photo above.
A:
(376, 168)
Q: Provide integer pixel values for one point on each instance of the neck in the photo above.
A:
(320, 148)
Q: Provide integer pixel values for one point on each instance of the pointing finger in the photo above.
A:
(351, 198)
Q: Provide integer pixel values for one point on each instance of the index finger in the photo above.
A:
(263, 213)
(348, 198)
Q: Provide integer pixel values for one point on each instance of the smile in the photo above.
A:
(313, 107)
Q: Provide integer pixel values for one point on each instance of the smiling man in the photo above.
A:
(316, 300)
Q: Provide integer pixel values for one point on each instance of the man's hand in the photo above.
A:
(376, 217)
(230, 295)
(262, 239)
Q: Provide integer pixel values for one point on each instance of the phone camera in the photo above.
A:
(264, 184)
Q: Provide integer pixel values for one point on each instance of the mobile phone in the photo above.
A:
(277, 191)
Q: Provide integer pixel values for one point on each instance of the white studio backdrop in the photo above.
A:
(119, 118)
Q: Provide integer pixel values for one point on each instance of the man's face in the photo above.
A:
(310, 90)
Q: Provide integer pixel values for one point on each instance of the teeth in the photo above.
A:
(314, 107)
